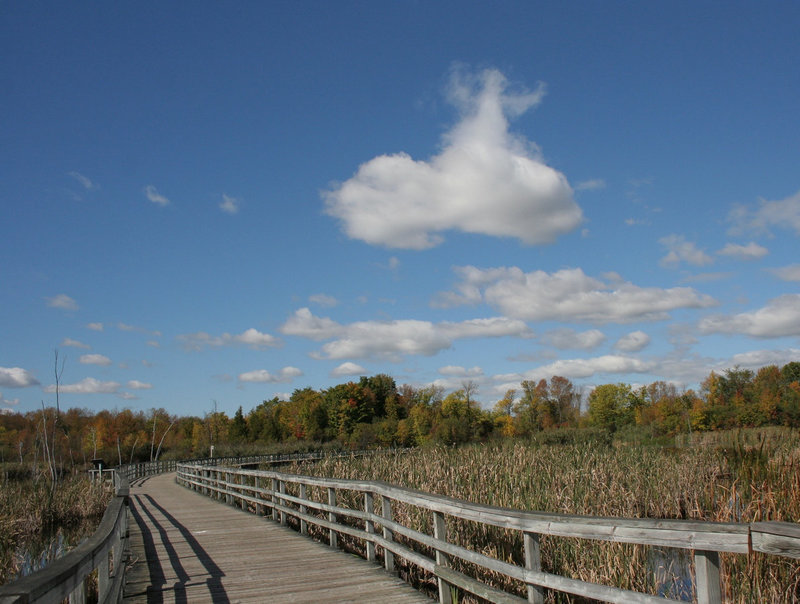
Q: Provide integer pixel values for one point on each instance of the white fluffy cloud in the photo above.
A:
(633, 342)
(17, 377)
(348, 368)
(87, 385)
(62, 301)
(751, 251)
(784, 213)
(779, 318)
(485, 180)
(567, 295)
(679, 250)
(393, 339)
(570, 339)
(94, 359)
(287, 374)
(251, 338)
(95, 326)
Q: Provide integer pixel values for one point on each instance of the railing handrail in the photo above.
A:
(705, 539)
(66, 576)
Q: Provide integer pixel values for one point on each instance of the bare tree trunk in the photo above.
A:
(133, 448)
(162, 439)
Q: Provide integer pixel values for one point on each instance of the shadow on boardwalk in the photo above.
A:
(188, 548)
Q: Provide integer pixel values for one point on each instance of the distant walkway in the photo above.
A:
(189, 548)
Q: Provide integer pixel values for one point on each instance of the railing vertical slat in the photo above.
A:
(706, 569)
(282, 490)
(369, 525)
(332, 516)
(533, 561)
(303, 508)
(440, 532)
(272, 499)
(386, 512)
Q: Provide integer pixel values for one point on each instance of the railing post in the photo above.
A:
(78, 595)
(369, 508)
(282, 490)
(273, 499)
(259, 507)
(533, 561)
(228, 496)
(440, 533)
(386, 512)
(331, 516)
(303, 509)
(706, 571)
(102, 576)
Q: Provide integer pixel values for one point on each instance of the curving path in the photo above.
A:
(187, 548)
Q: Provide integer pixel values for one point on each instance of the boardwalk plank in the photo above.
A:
(187, 548)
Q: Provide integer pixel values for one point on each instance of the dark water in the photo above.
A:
(672, 569)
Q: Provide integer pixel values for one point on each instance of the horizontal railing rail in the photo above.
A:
(266, 492)
(67, 576)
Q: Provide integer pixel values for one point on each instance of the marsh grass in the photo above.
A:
(31, 514)
(741, 476)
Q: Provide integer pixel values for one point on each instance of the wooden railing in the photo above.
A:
(67, 576)
(266, 492)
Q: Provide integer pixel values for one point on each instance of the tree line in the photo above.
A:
(374, 411)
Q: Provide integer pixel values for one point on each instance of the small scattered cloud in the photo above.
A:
(633, 342)
(62, 301)
(779, 318)
(787, 273)
(137, 385)
(13, 402)
(758, 220)
(570, 339)
(591, 185)
(95, 326)
(229, 205)
(348, 368)
(566, 295)
(679, 250)
(153, 195)
(751, 251)
(94, 359)
(287, 374)
(462, 372)
(74, 343)
(17, 377)
(84, 181)
(252, 338)
(134, 328)
(485, 180)
(323, 300)
(87, 385)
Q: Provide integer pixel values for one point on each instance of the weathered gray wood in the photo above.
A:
(533, 561)
(440, 534)
(369, 525)
(490, 594)
(201, 549)
(386, 512)
(707, 537)
(332, 541)
(781, 538)
(706, 571)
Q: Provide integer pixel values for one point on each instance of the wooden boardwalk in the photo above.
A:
(188, 548)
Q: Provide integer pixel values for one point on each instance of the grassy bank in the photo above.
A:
(30, 510)
(735, 477)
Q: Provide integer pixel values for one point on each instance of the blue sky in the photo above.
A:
(227, 201)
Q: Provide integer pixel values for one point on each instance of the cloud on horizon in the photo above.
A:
(485, 180)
